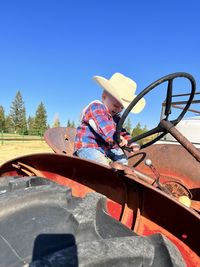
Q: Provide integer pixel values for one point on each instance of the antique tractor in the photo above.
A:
(60, 210)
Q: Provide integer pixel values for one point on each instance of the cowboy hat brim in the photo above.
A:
(108, 87)
(138, 107)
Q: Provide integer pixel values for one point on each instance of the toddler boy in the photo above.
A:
(96, 136)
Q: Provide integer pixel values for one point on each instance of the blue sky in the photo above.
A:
(50, 49)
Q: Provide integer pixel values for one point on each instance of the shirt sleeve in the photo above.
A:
(123, 132)
(105, 125)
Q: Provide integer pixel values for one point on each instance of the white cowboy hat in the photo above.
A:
(121, 88)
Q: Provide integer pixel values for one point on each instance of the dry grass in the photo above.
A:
(13, 149)
(10, 150)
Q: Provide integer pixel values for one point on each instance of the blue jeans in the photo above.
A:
(115, 154)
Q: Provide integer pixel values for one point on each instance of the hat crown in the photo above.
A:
(124, 86)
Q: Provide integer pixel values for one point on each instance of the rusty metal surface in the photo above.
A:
(54, 137)
(138, 201)
(176, 189)
(69, 137)
(171, 187)
(60, 139)
(171, 161)
(181, 139)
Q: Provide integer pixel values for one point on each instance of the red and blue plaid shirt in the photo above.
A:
(102, 135)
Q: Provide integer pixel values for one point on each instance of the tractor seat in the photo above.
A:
(61, 139)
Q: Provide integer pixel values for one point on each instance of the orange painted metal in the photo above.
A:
(171, 161)
(114, 209)
(147, 227)
(138, 205)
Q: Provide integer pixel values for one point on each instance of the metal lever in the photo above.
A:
(149, 163)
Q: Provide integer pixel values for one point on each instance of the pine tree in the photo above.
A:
(9, 126)
(68, 123)
(145, 129)
(24, 128)
(18, 114)
(2, 119)
(30, 123)
(40, 124)
(127, 125)
(139, 130)
(56, 122)
(71, 124)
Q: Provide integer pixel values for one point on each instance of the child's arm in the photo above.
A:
(100, 121)
(123, 132)
(127, 136)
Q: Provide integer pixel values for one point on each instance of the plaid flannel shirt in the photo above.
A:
(103, 137)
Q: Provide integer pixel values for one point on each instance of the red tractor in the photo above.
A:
(58, 209)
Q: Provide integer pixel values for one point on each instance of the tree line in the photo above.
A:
(137, 130)
(17, 121)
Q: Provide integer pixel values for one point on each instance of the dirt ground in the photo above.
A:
(10, 150)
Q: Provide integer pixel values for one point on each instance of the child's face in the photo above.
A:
(112, 104)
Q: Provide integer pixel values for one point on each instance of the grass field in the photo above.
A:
(18, 136)
(13, 149)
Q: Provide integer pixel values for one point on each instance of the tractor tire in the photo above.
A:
(42, 224)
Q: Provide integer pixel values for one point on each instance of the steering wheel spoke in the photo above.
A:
(168, 98)
(157, 129)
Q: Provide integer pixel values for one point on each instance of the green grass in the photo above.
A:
(18, 137)
(9, 135)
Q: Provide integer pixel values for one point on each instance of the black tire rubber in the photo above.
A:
(42, 224)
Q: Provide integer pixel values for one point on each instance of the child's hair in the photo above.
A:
(104, 92)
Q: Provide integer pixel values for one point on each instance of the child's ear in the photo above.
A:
(104, 95)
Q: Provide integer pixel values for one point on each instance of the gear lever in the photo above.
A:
(149, 163)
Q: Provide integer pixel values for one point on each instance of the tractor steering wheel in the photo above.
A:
(160, 128)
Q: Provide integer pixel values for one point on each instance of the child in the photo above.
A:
(95, 138)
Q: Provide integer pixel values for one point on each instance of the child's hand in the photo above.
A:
(123, 142)
(135, 147)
